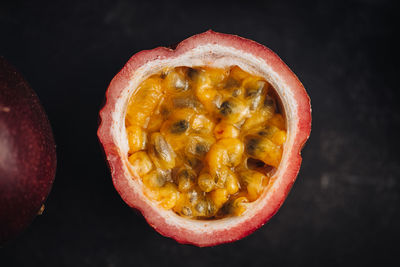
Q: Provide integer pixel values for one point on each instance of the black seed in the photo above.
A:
(232, 83)
(193, 162)
(160, 180)
(226, 108)
(236, 92)
(192, 73)
(164, 111)
(268, 131)
(253, 164)
(186, 211)
(252, 146)
(216, 178)
(186, 174)
(179, 127)
(184, 102)
(193, 196)
(269, 102)
(262, 133)
(201, 149)
(210, 208)
(226, 208)
(243, 179)
(201, 206)
(161, 148)
(252, 93)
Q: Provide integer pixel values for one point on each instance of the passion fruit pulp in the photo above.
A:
(208, 142)
(121, 134)
(27, 153)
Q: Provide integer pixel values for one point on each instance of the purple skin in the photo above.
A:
(27, 153)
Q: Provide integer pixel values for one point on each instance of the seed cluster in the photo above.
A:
(205, 141)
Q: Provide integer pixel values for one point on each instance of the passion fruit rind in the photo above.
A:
(190, 132)
(27, 153)
(214, 50)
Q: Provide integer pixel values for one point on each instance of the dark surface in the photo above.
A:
(344, 207)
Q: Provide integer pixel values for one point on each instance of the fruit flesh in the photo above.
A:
(205, 141)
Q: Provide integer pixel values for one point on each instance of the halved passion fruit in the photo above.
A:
(205, 139)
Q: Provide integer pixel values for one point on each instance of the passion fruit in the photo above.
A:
(27, 153)
(205, 139)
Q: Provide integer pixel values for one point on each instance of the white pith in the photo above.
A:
(215, 56)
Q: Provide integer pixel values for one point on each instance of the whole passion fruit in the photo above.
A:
(205, 139)
(27, 153)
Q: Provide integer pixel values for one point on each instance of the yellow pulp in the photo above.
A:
(204, 141)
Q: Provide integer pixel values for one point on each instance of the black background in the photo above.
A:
(342, 210)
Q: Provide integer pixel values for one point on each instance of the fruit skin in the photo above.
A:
(27, 153)
(298, 113)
